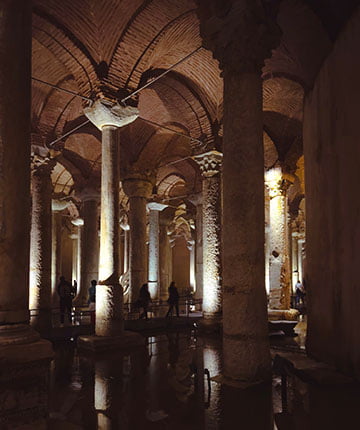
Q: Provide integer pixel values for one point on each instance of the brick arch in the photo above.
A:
(67, 52)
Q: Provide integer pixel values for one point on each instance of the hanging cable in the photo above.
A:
(161, 75)
(68, 133)
(62, 89)
(172, 130)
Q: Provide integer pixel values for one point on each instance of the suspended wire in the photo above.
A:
(68, 133)
(161, 75)
(172, 130)
(62, 89)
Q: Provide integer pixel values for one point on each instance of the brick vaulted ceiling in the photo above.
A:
(84, 45)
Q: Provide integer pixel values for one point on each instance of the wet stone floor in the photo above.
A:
(168, 385)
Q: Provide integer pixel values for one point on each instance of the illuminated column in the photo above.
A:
(40, 245)
(165, 219)
(56, 223)
(191, 248)
(245, 38)
(89, 243)
(154, 284)
(301, 252)
(294, 259)
(138, 191)
(24, 357)
(279, 269)
(108, 117)
(210, 164)
(196, 199)
(75, 237)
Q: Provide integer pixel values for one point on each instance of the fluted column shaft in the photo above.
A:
(40, 247)
(89, 240)
(109, 296)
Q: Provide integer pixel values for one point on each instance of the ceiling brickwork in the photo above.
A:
(87, 45)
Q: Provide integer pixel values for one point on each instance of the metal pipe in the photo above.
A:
(62, 89)
(161, 75)
(68, 133)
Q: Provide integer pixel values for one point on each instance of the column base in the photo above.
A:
(128, 339)
(283, 314)
(236, 383)
(210, 325)
(24, 378)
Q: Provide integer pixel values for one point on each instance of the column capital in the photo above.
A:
(277, 182)
(137, 187)
(209, 162)
(124, 221)
(104, 112)
(156, 206)
(42, 166)
(240, 33)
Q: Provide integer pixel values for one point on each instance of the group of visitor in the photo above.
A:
(67, 292)
(144, 300)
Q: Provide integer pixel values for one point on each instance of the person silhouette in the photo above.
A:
(173, 299)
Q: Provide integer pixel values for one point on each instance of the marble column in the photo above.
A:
(138, 191)
(24, 357)
(279, 268)
(124, 278)
(40, 245)
(154, 275)
(109, 327)
(89, 242)
(210, 164)
(241, 45)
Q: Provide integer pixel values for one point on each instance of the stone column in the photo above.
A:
(154, 275)
(241, 45)
(56, 223)
(191, 248)
(294, 259)
(210, 164)
(166, 218)
(75, 237)
(109, 328)
(24, 357)
(138, 191)
(89, 243)
(40, 245)
(279, 269)
(196, 199)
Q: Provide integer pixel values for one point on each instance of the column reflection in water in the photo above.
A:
(212, 363)
(108, 393)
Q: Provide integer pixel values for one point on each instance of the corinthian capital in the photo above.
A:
(42, 166)
(277, 182)
(210, 163)
(239, 33)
